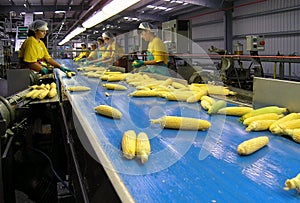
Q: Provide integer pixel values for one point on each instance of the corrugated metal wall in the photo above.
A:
(277, 20)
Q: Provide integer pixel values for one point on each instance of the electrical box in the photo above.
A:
(21, 36)
(255, 43)
(176, 35)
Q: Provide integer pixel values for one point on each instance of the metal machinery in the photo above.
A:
(231, 69)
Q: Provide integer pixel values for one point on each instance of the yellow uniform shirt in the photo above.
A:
(159, 51)
(93, 55)
(113, 50)
(33, 50)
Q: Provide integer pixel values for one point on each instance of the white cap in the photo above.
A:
(38, 25)
(107, 35)
(146, 26)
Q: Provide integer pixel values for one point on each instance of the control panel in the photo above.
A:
(255, 43)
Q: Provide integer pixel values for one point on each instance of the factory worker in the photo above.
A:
(101, 46)
(33, 52)
(83, 54)
(157, 54)
(113, 50)
(94, 53)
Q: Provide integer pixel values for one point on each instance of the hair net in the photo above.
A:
(146, 26)
(38, 25)
(107, 35)
(100, 39)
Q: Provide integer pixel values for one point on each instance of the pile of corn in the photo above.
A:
(42, 91)
(171, 90)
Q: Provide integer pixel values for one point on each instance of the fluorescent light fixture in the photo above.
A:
(59, 11)
(150, 6)
(38, 13)
(95, 19)
(109, 10)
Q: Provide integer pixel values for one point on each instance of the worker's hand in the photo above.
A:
(88, 62)
(44, 71)
(137, 63)
(64, 69)
(82, 60)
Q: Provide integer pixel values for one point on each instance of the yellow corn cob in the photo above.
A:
(52, 85)
(293, 124)
(216, 106)
(70, 74)
(294, 134)
(129, 144)
(93, 75)
(178, 96)
(78, 88)
(183, 123)
(143, 147)
(264, 110)
(267, 116)
(196, 96)
(235, 110)
(252, 145)
(108, 111)
(104, 77)
(178, 85)
(107, 94)
(29, 94)
(112, 72)
(116, 77)
(209, 99)
(36, 94)
(53, 92)
(110, 86)
(143, 93)
(167, 82)
(43, 94)
(259, 125)
(162, 88)
(47, 87)
(292, 116)
(293, 183)
(205, 104)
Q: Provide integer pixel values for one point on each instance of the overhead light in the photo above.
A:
(38, 13)
(59, 12)
(109, 10)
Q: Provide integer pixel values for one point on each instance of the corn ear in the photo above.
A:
(110, 86)
(129, 144)
(29, 94)
(53, 92)
(205, 104)
(178, 96)
(36, 94)
(43, 94)
(196, 96)
(267, 116)
(294, 134)
(167, 82)
(178, 85)
(78, 88)
(215, 107)
(108, 111)
(293, 124)
(259, 125)
(293, 183)
(252, 145)
(292, 116)
(209, 99)
(116, 77)
(143, 147)
(264, 110)
(143, 93)
(235, 110)
(181, 123)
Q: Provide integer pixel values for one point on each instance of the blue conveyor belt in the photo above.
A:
(184, 166)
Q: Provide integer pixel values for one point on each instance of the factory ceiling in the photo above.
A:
(63, 16)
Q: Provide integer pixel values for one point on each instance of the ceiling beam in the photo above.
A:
(208, 3)
(19, 9)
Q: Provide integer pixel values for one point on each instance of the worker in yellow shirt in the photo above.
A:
(33, 53)
(113, 51)
(93, 54)
(101, 46)
(157, 54)
(83, 54)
